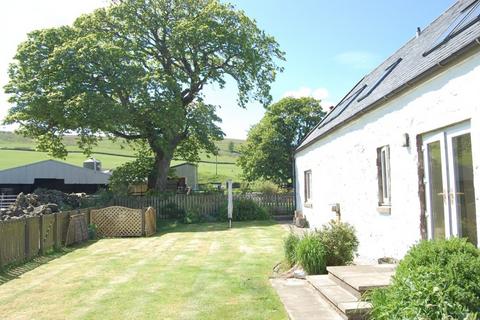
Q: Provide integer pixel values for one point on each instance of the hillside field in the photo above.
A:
(16, 150)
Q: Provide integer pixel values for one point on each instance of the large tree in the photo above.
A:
(135, 70)
(268, 152)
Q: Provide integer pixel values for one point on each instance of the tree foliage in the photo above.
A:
(268, 152)
(131, 173)
(136, 70)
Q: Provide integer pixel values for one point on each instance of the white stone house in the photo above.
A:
(400, 154)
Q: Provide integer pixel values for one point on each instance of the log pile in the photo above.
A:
(39, 203)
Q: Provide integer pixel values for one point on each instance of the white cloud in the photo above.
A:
(363, 60)
(320, 93)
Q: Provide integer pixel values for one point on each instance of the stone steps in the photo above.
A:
(343, 287)
(343, 302)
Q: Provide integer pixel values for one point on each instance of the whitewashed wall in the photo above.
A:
(344, 166)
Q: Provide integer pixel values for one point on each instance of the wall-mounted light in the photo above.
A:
(335, 207)
(405, 140)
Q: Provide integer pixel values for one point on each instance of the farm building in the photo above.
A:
(52, 174)
(187, 171)
(399, 156)
(182, 177)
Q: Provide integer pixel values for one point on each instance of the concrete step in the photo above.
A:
(346, 304)
(359, 279)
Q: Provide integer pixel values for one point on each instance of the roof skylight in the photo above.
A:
(379, 80)
(466, 18)
(343, 105)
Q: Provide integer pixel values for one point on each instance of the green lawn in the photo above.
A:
(200, 271)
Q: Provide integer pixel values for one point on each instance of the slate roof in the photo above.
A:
(413, 67)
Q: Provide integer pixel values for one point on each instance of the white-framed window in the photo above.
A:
(383, 166)
(307, 185)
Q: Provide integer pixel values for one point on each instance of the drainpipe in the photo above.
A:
(294, 181)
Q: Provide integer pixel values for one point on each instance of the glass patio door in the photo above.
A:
(450, 193)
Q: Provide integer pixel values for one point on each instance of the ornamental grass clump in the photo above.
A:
(436, 280)
(290, 248)
(310, 254)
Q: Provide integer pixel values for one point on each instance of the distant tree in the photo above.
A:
(131, 173)
(136, 70)
(268, 151)
(231, 147)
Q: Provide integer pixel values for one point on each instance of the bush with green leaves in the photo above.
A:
(436, 280)
(340, 243)
(290, 248)
(92, 231)
(131, 173)
(310, 254)
(193, 215)
(244, 210)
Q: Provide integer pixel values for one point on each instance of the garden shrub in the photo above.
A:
(436, 280)
(92, 231)
(193, 215)
(290, 248)
(340, 243)
(310, 254)
(244, 210)
(131, 173)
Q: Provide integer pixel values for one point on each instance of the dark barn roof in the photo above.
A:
(452, 34)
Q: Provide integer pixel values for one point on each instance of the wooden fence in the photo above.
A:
(25, 238)
(206, 204)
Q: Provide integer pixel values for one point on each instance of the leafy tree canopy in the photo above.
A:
(136, 70)
(268, 152)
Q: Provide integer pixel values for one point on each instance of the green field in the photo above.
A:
(120, 153)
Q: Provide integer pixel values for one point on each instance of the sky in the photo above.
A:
(329, 45)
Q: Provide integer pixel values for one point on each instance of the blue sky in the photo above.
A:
(329, 45)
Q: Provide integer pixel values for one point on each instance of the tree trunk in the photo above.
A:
(162, 166)
(158, 178)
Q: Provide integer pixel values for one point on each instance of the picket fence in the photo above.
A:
(206, 204)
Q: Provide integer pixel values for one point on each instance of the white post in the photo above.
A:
(230, 203)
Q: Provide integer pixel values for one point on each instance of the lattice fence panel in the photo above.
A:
(150, 222)
(117, 222)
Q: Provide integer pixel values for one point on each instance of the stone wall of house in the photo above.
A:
(344, 168)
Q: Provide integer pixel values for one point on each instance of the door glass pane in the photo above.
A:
(436, 190)
(465, 192)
